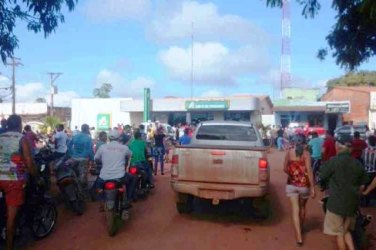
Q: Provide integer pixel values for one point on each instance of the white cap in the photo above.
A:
(113, 134)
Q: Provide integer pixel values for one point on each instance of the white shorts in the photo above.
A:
(302, 192)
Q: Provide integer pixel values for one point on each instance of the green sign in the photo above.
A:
(207, 105)
(103, 121)
(146, 104)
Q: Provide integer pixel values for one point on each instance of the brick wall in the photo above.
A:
(359, 102)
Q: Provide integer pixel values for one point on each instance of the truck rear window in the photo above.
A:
(226, 133)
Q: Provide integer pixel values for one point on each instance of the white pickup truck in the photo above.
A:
(224, 161)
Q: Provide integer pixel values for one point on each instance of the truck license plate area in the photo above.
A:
(216, 194)
(217, 161)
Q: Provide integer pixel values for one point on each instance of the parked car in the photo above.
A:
(224, 161)
(347, 131)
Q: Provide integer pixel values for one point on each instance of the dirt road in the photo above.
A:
(155, 224)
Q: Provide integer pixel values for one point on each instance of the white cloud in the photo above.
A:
(29, 92)
(121, 86)
(212, 93)
(112, 10)
(208, 24)
(213, 63)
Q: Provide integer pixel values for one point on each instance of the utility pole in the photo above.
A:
(15, 63)
(53, 77)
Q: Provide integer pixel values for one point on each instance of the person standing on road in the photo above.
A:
(31, 137)
(300, 181)
(369, 159)
(3, 128)
(329, 146)
(357, 147)
(60, 139)
(345, 178)
(159, 150)
(14, 145)
(185, 139)
(315, 145)
(280, 139)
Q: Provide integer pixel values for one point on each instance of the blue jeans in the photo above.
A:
(158, 153)
(128, 180)
(280, 143)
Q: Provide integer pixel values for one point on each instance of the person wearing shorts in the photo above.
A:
(345, 177)
(15, 160)
(300, 181)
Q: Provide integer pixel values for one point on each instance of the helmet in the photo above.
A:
(113, 134)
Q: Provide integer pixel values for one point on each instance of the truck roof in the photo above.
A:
(235, 123)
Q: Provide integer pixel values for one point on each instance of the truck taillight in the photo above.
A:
(263, 163)
(175, 159)
(263, 170)
(174, 166)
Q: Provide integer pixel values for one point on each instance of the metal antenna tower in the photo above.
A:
(286, 45)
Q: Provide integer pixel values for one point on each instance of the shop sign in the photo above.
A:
(207, 105)
(103, 121)
(337, 107)
(373, 101)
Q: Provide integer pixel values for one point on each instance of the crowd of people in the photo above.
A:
(342, 169)
(116, 150)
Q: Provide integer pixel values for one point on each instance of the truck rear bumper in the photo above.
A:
(218, 191)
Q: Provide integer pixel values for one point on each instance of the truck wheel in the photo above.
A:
(261, 208)
(184, 204)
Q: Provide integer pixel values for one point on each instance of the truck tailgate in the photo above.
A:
(219, 165)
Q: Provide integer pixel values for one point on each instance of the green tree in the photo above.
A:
(352, 38)
(40, 100)
(362, 78)
(49, 124)
(39, 15)
(103, 91)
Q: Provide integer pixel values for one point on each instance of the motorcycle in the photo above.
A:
(43, 159)
(143, 187)
(114, 207)
(38, 213)
(66, 171)
(359, 232)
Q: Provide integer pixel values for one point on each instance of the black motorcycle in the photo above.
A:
(38, 213)
(114, 207)
(43, 159)
(143, 187)
(66, 171)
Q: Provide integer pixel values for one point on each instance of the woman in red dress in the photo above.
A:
(300, 183)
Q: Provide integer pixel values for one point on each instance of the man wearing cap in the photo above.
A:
(113, 156)
(346, 179)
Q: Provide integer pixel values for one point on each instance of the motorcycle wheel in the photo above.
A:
(44, 220)
(78, 206)
(111, 221)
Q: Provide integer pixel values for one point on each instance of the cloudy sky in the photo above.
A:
(147, 43)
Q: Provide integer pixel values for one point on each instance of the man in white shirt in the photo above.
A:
(60, 140)
(113, 156)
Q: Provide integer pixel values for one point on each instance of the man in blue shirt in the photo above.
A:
(81, 149)
(315, 145)
(185, 139)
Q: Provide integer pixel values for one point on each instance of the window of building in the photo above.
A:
(237, 116)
